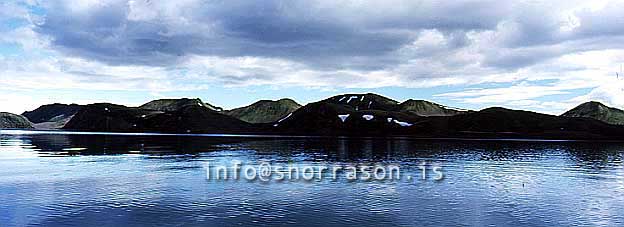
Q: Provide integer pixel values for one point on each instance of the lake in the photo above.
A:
(81, 179)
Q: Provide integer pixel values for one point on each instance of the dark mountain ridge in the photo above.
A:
(499, 122)
(342, 115)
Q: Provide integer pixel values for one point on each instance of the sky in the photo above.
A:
(543, 56)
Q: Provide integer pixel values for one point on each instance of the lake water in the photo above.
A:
(115, 180)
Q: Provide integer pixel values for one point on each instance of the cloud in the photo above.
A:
(323, 35)
(326, 34)
(161, 46)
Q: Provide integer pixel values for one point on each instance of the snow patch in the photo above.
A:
(389, 119)
(275, 125)
(362, 99)
(401, 123)
(199, 104)
(287, 116)
(343, 117)
(369, 104)
(143, 116)
(340, 100)
(352, 97)
(368, 117)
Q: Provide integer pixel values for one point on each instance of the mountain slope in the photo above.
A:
(196, 119)
(188, 119)
(597, 111)
(9, 120)
(505, 123)
(166, 105)
(264, 111)
(426, 108)
(108, 117)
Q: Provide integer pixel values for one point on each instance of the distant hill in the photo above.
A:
(166, 105)
(9, 120)
(264, 111)
(52, 115)
(598, 111)
(427, 109)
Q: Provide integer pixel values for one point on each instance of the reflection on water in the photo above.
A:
(115, 180)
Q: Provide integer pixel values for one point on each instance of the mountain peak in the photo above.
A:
(367, 101)
(598, 111)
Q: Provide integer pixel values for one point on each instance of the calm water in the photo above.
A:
(116, 180)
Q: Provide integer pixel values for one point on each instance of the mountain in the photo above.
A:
(361, 114)
(52, 115)
(350, 114)
(9, 120)
(186, 119)
(370, 101)
(264, 111)
(427, 109)
(167, 105)
(597, 111)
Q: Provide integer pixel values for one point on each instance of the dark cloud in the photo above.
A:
(314, 34)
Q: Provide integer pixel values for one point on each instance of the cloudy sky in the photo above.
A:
(545, 56)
